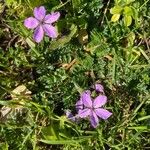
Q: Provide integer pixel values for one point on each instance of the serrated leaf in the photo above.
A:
(115, 17)
(116, 10)
(127, 20)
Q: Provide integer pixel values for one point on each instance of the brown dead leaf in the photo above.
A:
(83, 36)
(20, 91)
(68, 66)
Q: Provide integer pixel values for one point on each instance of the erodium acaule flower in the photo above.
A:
(42, 23)
(88, 107)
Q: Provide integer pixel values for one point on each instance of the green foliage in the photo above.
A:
(125, 8)
(92, 46)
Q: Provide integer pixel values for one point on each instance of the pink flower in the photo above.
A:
(92, 109)
(42, 23)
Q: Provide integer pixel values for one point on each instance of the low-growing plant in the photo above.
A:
(54, 85)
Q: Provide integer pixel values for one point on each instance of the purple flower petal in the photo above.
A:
(98, 87)
(103, 113)
(84, 113)
(39, 12)
(70, 116)
(50, 30)
(94, 119)
(99, 101)
(51, 18)
(31, 23)
(38, 34)
(86, 98)
(79, 105)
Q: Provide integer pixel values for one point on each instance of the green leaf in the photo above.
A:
(144, 118)
(4, 146)
(9, 2)
(35, 2)
(139, 128)
(75, 141)
(30, 43)
(128, 11)
(131, 38)
(62, 41)
(129, 1)
(50, 133)
(9, 103)
(32, 46)
(116, 10)
(60, 142)
(78, 88)
(115, 17)
(127, 20)
(134, 13)
(76, 3)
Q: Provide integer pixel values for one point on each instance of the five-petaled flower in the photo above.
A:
(87, 107)
(42, 23)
